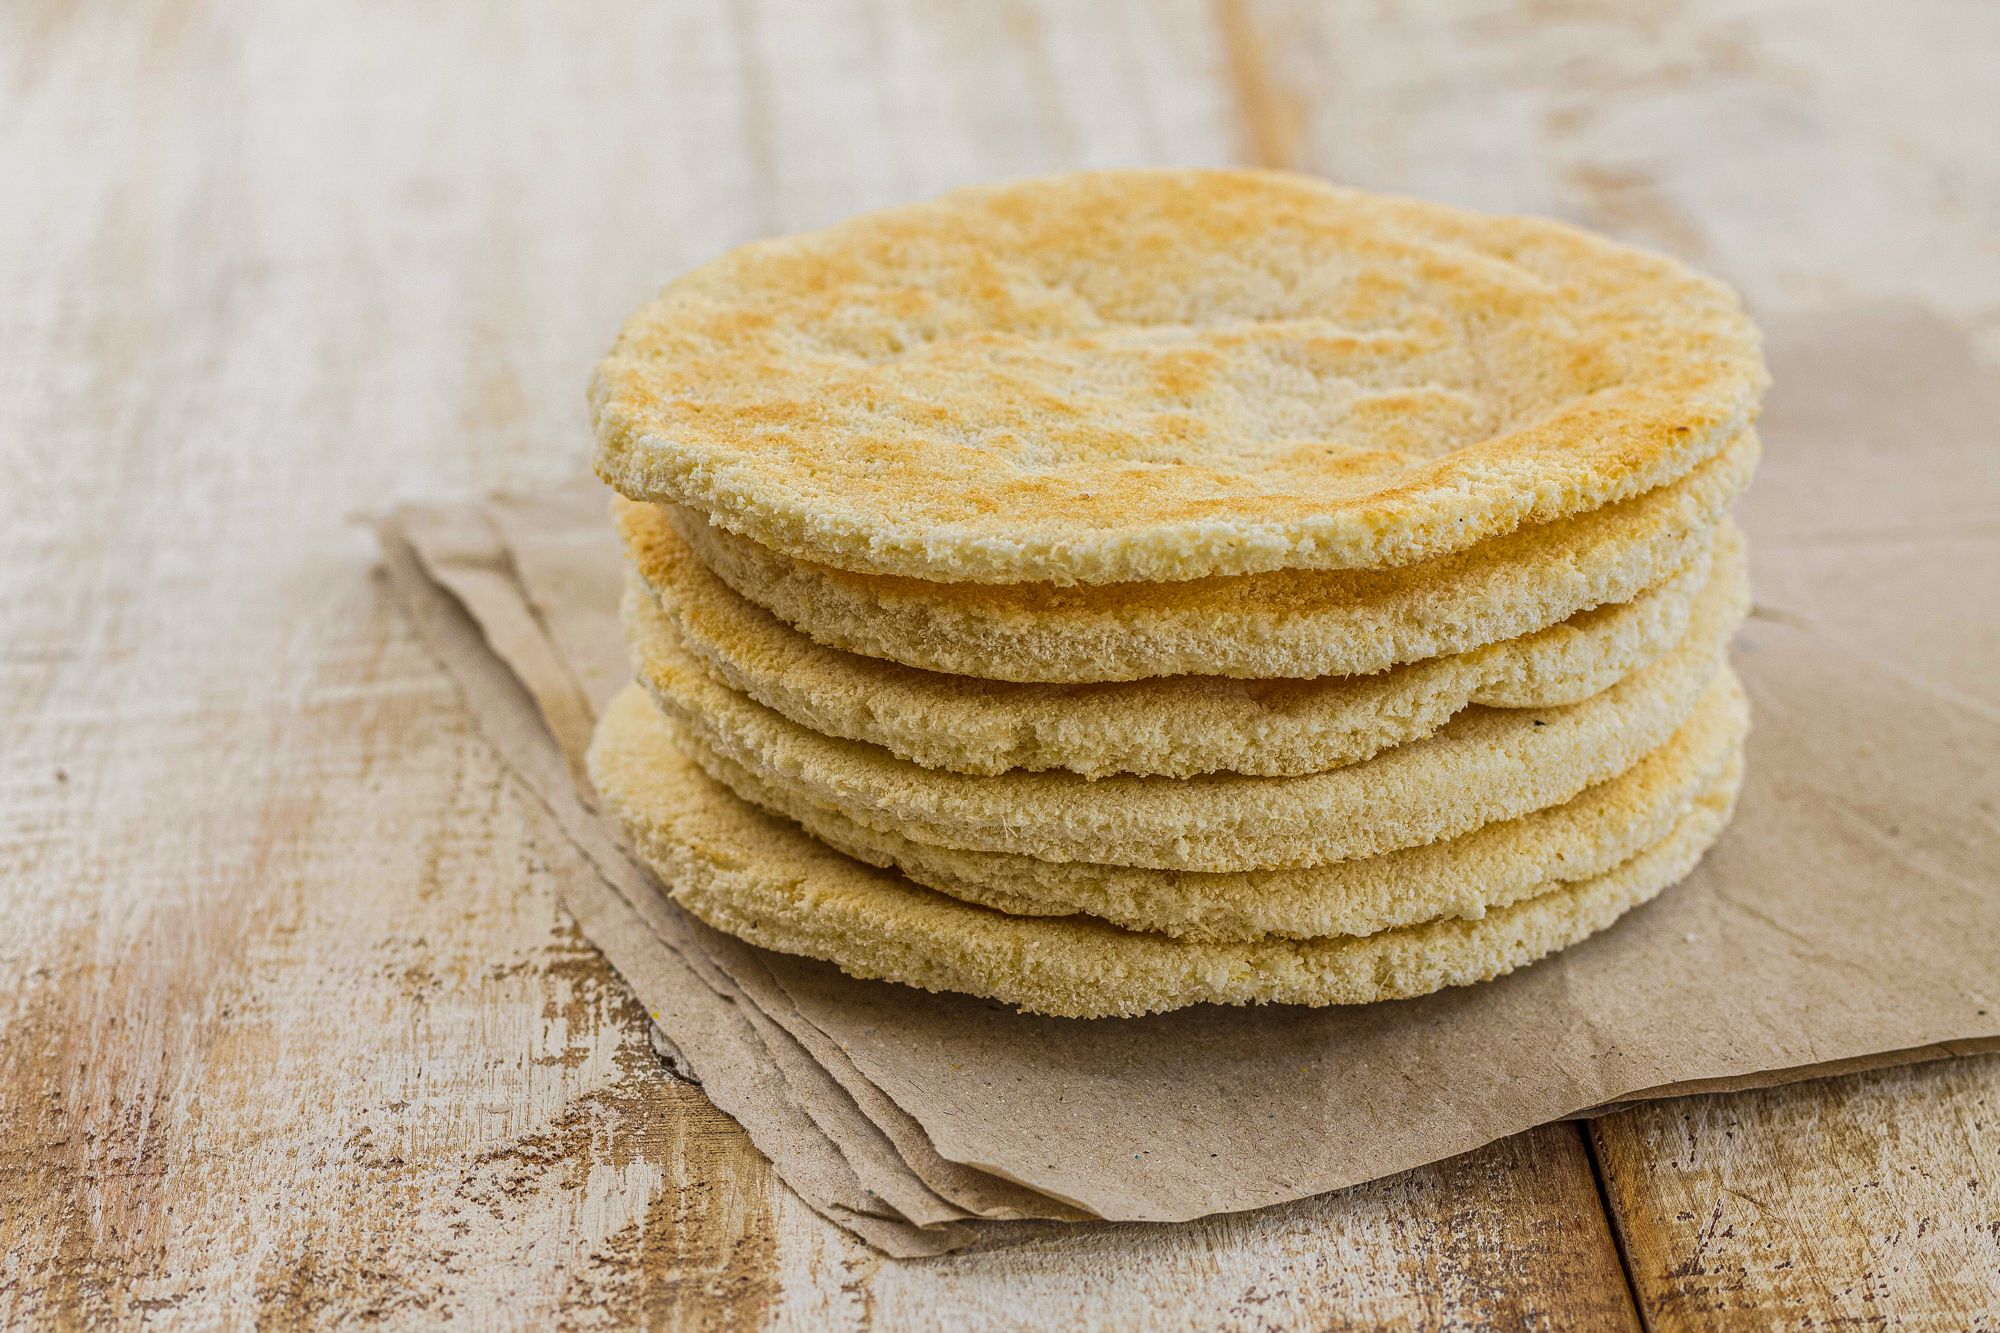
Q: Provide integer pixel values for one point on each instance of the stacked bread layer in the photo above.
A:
(1121, 592)
(1091, 848)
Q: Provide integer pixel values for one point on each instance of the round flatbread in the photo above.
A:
(1174, 726)
(1467, 876)
(1484, 765)
(1127, 376)
(1293, 624)
(764, 880)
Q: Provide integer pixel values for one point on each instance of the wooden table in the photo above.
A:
(293, 1029)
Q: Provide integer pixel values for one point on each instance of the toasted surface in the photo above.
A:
(1161, 375)
(1485, 765)
(762, 879)
(1488, 868)
(1295, 624)
(1173, 726)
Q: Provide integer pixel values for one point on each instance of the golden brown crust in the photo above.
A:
(1291, 624)
(1164, 375)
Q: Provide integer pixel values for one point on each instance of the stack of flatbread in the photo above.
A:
(1136, 589)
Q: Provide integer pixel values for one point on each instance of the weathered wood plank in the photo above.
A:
(1806, 152)
(1512, 1236)
(1865, 1201)
(292, 1029)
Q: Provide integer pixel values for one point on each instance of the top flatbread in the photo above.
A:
(1287, 623)
(1161, 375)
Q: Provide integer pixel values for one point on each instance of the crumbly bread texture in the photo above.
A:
(1292, 624)
(1126, 376)
(1173, 726)
(764, 880)
(1486, 764)
(1491, 867)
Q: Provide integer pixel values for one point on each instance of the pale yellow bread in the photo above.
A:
(1174, 726)
(1486, 764)
(1490, 867)
(1128, 376)
(1294, 624)
(764, 880)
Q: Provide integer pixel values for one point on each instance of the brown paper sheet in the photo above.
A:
(470, 611)
(1850, 917)
(555, 591)
(1782, 951)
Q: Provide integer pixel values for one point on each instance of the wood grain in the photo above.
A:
(1864, 1201)
(1509, 1237)
(1806, 152)
(291, 1030)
